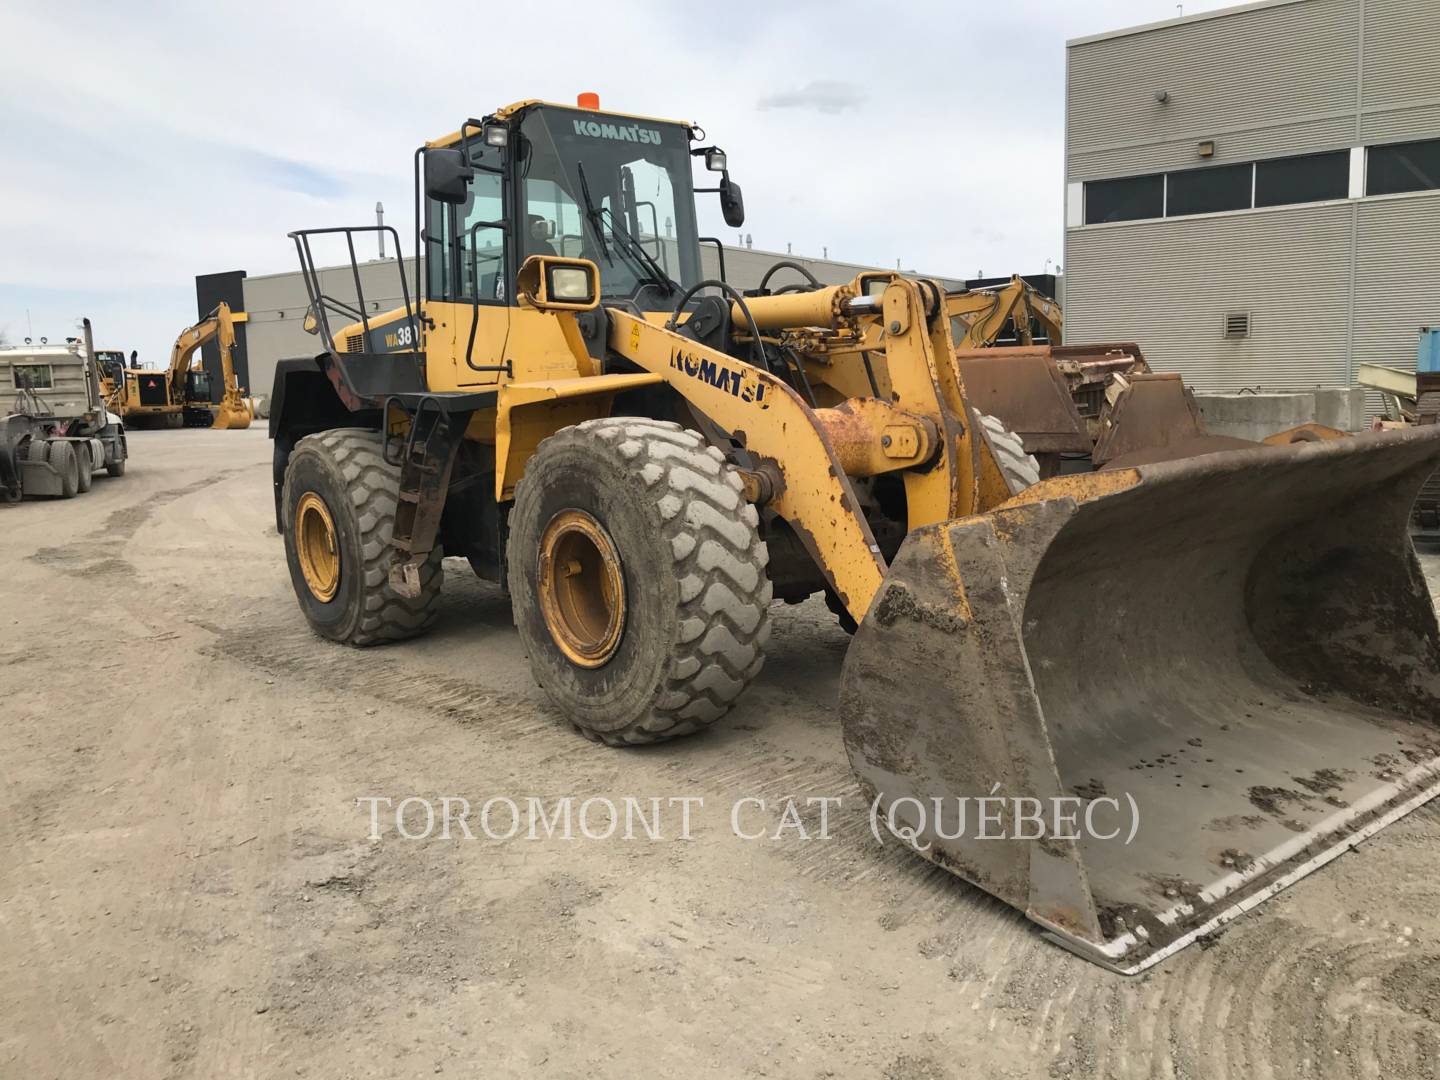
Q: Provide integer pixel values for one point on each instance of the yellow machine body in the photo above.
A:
(1015, 312)
(152, 395)
(1249, 626)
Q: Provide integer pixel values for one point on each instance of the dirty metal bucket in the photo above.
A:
(1236, 655)
(232, 415)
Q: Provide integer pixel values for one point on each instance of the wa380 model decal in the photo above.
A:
(744, 385)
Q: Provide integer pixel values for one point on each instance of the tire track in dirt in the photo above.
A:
(389, 675)
(1271, 998)
(121, 525)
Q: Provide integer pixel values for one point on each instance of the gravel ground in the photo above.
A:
(187, 887)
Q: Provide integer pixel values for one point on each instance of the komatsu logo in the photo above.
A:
(618, 132)
(743, 385)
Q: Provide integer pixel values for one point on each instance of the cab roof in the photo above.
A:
(510, 110)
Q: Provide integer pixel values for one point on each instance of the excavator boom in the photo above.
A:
(232, 410)
(981, 317)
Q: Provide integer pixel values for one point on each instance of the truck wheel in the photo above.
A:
(637, 579)
(1019, 468)
(64, 461)
(85, 468)
(339, 508)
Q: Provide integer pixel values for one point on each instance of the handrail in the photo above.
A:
(322, 304)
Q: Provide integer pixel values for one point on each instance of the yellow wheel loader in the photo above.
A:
(180, 395)
(1207, 676)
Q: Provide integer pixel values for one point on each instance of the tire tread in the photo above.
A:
(372, 484)
(719, 565)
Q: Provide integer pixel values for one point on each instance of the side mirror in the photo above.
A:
(447, 177)
(732, 202)
(550, 283)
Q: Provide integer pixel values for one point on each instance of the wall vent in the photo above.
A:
(1237, 324)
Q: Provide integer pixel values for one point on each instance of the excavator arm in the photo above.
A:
(233, 412)
(978, 318)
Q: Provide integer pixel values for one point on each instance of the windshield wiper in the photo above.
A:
(592, 212)
(638, 258)
(657, 272)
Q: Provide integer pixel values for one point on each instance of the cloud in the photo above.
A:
(297, 176)
(127, 173)
(822, 95)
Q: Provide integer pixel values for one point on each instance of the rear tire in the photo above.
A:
(85, 467)
(63, 459)
(671, 524)
(342, 477)
(115, 468)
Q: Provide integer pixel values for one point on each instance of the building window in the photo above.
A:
(1125, 200)
(1208, 191)
(1403, 167)
(33, 377)
(1310, 178)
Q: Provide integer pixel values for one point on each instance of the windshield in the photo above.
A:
(615, 192)
(112, 363)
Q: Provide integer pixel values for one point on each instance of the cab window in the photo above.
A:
(465, 244)
(33, 377)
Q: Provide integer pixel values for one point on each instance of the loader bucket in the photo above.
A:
(231, 415)
(1230, 662)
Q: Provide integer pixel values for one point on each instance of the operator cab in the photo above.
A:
(198, 386)
(613, 189)
(532, 179)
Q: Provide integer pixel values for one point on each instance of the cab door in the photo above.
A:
(469, 301)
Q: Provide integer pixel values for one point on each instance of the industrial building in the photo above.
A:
(1253, 194)
(275, 304)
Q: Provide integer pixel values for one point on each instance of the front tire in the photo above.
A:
(339, 504)
(637, 579)
(1019, 469)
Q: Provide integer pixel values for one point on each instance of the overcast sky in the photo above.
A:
(145, 143)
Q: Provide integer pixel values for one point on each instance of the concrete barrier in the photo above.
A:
(1257, 416)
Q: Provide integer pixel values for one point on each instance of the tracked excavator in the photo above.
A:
(1233, 653)
(180, 395)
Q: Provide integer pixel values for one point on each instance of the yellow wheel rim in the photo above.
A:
(317, 546)
(582, 591)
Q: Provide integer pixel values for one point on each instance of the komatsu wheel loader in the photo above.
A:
(1238, 650)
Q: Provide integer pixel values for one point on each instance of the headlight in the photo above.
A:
(569, 283)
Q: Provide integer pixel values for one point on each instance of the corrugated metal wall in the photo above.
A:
(1397, 280)
(1169, 285)
(1301, 76)
(1282, 78)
